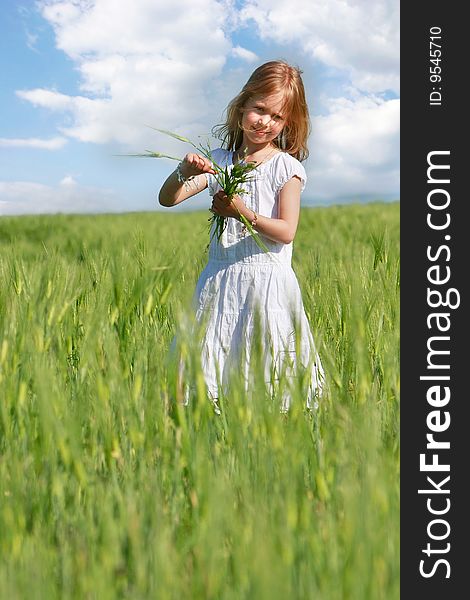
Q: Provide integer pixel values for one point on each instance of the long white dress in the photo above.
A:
(242, 283)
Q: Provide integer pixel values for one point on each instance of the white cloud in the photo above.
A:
(31, 40)
(54, 143)
(360, 36)
(162, 64)
(355, 149)
(27, 197)
(68, 180)
(244, 54)
(147, 62)
(47, 98)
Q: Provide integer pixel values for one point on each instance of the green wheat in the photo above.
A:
(231, 182)
(110, 488)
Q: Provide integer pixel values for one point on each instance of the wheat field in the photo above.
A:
(110, 488)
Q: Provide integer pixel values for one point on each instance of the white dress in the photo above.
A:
(241, 283)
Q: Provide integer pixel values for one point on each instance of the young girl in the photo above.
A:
(267, 123)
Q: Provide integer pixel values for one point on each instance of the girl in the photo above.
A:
(267, 123)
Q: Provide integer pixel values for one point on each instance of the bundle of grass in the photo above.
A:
(231, 181)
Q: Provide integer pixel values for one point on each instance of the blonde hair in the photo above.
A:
(271, 78)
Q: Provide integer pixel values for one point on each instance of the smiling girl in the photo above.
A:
(267, 123)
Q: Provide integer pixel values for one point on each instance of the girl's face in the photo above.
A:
(263, 118)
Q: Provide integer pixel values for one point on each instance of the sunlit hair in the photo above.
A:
(271, 78)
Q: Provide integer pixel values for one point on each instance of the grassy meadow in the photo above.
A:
(109, 488)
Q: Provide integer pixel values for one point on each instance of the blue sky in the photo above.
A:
(81, 79)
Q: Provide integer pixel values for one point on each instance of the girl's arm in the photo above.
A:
(173, 191)
(283, 228)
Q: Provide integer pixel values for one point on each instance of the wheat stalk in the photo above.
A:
(230, 180)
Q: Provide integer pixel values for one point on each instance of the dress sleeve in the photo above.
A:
(286, 168)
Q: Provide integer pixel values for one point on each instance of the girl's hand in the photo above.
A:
(223, 206)
(195, 164)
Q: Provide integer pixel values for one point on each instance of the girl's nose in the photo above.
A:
(264, 120)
